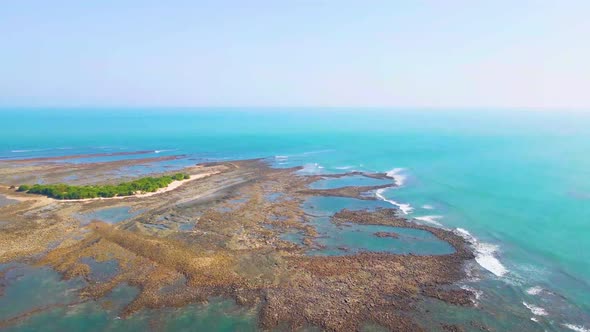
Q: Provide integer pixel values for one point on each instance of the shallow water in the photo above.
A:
(353, 238)
(109, 215)
(29, 288)
(101, 271)
(292, 235)
(354, 180)
(327, 206)
(32, 288)
(4, 201)
(349, 238)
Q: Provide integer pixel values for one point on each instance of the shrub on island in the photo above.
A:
(64, 191)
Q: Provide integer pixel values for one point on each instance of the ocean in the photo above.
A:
(516, 183)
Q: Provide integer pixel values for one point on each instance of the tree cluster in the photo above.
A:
(64, 191)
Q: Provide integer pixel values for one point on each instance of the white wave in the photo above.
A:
(316, 152)
(577, 328)
(405, 208)
(536, 290)
(476, 292)
(164, 150)
(534, 319)
(430, 219)
(32, 150)
(396, 174)
(485, 257)
(537, 311)
(428, 207)
(484, 254)
(281, 158)
(313, 168)
(344, 167)
(465, 234)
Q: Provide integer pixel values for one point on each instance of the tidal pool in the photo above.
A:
(293, 235)
(29, 288)
(37, 299)
(101, 271)
(4, 201)
(110, 215)
(350, 238)
(327, 206)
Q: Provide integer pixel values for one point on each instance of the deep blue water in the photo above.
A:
(517, 181)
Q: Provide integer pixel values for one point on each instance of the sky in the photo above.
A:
(433, 54)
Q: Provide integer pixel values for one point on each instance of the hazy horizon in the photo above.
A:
(328, 54)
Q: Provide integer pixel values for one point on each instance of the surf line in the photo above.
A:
(399, 179)
(405, 208)
(485, 253)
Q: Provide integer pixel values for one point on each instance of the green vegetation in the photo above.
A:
(64, 191)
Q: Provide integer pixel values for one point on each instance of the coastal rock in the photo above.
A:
(387, 234)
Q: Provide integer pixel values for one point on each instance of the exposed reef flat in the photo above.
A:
(76, 156)
(221, 235)
(23, 171)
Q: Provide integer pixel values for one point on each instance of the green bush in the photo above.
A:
(24, 188)
(64, 191)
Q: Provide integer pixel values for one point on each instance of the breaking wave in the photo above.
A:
(32, 150)
(405, 208)
(537, 311)
(430, 219)
(577, 328)
(484, 254)
(397, 176)
(536, 290)
(313, 168)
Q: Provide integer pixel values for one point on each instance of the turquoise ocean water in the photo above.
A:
(516, 183)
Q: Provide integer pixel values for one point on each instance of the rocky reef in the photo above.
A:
(222, 235)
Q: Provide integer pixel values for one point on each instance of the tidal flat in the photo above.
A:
(223, 240)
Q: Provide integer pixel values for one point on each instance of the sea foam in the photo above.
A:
(31, 150)
(313, 168)
(577, 328)
(484, 254)
(476, 292)
(430, 219)
(536, 290)
(405, 208)
(397, 176)
(164, 150)
(537, 311)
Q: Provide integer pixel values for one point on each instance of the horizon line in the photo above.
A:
(283, 107)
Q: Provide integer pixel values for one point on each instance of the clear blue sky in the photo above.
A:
(496, 53)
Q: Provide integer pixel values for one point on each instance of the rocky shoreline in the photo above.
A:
(222, 235)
